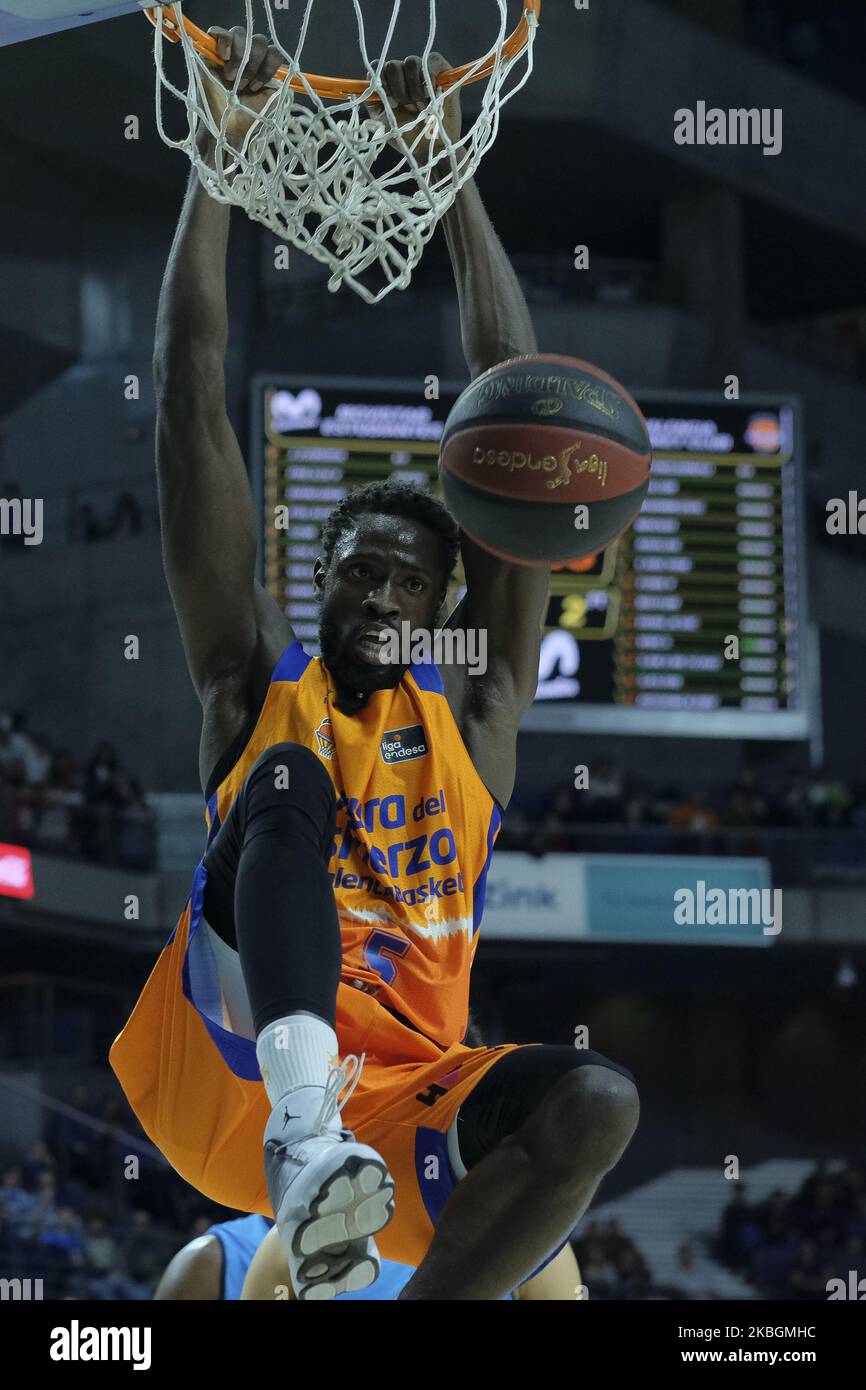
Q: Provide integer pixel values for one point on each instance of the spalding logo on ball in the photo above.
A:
(545, 460)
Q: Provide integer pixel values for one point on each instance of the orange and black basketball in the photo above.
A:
(530, 444)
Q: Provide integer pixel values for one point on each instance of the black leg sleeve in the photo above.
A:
(268, 893)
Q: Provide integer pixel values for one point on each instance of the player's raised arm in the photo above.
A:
(229, 625)
(508, 601)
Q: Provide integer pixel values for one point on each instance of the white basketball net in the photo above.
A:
(307, 168)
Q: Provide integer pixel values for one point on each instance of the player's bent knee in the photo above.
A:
(291, 767)
(592, 1114)
(290, 755)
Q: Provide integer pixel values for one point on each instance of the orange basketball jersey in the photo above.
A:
(415, 832)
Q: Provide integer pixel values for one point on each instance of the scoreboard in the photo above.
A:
(693, 623)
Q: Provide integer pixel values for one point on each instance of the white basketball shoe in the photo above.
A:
(330, 1194)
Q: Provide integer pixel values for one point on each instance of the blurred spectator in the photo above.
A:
(74, 1142)
(136, 825)
(199, 1226)
(751, 797)
(605, 799)
(56, 825)
(616, 1242)
(560, 819)
(144, 1253)
(795, 801)
(45, 1205)
(83, 1240)
(852, 1186)
(103, 788)
(62, 1232)
(830, 800)
(38, 1161)
(100, 775)
(808, 1277)
(11, 762)
(16, 1203)
(699, 1279)
(31, 753)
(100, 1247)
(791, 1245)
(597, 1271)
(126, 518)
(8, 810)
(693, 813)
(611, 1264)
(46, 802)
(101, 812)
(740, 1231)
(633, 1279)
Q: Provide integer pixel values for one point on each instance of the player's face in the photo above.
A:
(384, 572)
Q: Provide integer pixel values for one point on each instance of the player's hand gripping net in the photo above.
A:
(332, 166)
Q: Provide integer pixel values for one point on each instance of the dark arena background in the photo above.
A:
(699, 722)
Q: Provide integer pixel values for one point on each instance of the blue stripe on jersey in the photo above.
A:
(435, 1190)
(427, 677)
(292, 664)
(480, 890)
(214, 819)
(200, 980)
(544, 1263)
(433, 1170)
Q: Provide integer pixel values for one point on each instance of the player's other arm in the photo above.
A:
(231, 628)
(195, 1272)
(507, 601)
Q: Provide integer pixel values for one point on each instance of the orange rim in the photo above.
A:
(341, 88)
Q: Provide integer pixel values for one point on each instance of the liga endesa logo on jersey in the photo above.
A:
(401, 745)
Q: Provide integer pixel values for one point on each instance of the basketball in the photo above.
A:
(545, 460)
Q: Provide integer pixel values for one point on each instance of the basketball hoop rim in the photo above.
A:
(342, 88)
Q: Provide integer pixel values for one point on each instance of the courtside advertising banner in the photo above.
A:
(679, 899)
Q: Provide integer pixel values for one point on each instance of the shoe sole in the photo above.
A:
(332, 1246)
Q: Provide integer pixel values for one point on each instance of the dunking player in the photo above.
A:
(352, 809)
(245, 1259)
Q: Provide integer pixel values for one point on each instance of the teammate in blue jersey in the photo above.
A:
(215, 1267)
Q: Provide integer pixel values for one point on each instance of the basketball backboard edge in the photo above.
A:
(33, 19)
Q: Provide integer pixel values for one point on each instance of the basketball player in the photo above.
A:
(352, 808)
(240, 1259)
(268, 1276)
(214, 1266)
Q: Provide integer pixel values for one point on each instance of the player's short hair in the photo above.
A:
(395, 499)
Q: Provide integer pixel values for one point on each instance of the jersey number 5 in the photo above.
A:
(378, 947)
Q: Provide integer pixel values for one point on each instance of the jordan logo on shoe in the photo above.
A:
(287, 1117)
